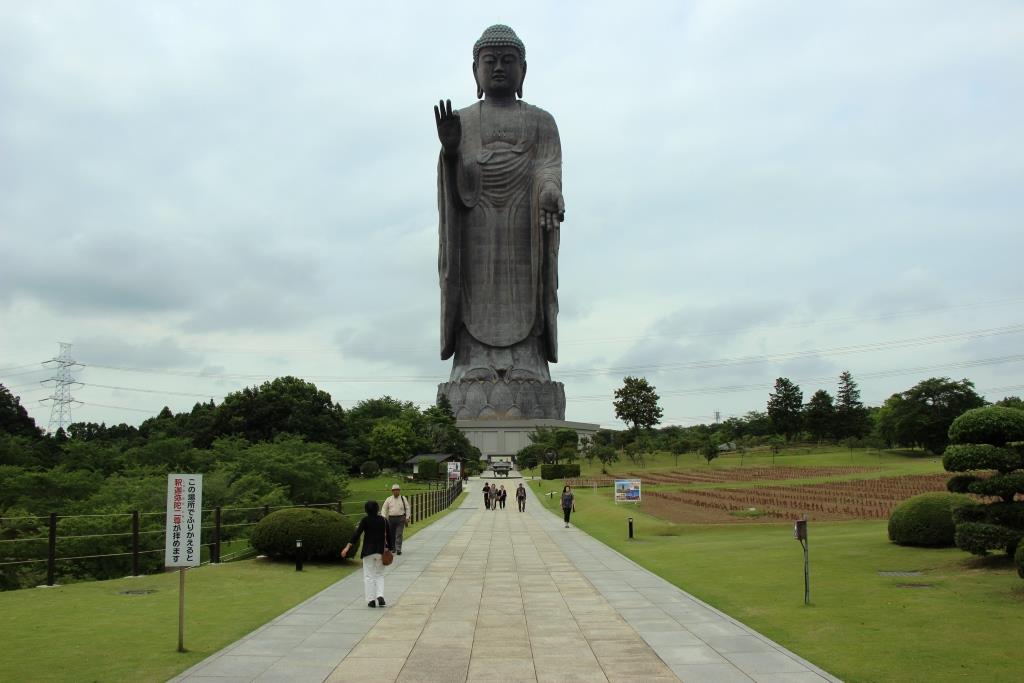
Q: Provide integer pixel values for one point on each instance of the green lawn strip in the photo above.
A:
(92, 631)
(861, 626)
(906, 461)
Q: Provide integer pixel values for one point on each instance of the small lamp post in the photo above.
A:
(298, 555)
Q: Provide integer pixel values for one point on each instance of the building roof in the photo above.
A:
(436, 457)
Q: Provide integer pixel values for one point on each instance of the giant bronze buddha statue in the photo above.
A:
(499, 183)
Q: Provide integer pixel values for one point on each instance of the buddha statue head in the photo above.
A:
(499, 63)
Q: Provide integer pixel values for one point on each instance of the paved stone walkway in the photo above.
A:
(506, 596)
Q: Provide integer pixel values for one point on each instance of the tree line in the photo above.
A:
(916, 418)
(279, 443)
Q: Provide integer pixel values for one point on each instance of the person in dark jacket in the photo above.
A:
(487, 496)
(568, 503)
(377, 537)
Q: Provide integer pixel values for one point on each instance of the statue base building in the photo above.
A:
(513, 399)
(502, 439)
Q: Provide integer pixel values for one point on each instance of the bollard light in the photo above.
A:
(298, 554)
(631, 527)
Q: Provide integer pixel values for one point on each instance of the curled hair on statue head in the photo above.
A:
(371, 507)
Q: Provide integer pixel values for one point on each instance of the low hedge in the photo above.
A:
(323, 533)
(1018, 559)
(559, 471)
(926, 520)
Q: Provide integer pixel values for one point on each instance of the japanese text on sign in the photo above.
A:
(184, 515)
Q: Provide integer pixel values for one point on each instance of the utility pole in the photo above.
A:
(718, 416)
(60, 400)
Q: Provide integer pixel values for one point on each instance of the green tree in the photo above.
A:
(286, 405)
(709, 450)
(820, 415)
(391, 442)
(784, 408)
(607, 455)
(14, 419)
(851, 417)
(636, 402)
(921, 415)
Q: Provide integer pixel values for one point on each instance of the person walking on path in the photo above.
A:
(568, 504)
(494, 497)
(502, 496)
(521, 497)
(398, 513)
(487, 496)
(377, 538)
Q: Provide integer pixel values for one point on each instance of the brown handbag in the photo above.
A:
(387, 557)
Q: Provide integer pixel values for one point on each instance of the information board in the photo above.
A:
(454, 471)
(184, 520)
(627, 490)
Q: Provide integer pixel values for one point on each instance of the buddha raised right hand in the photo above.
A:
(449, 127)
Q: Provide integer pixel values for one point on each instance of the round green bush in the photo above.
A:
(323, 533)
(995, 425)
(926, 520)
(369, 468)
(1018, 559)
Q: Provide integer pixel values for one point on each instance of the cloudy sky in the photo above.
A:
(200, 196)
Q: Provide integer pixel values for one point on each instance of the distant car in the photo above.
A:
(501, 468)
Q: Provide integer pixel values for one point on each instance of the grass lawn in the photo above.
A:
(961, 622)
(94, 631)
(892, 462)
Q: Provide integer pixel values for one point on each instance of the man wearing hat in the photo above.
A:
(398, 513)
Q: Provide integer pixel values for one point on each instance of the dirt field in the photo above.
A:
(857, 499)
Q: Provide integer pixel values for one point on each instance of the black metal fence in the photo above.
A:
(100, 546)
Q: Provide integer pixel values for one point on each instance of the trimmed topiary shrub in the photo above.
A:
(986, 439)
(926, 520)
(1018, 559)
(370, 468)
(993, 424)
(323, 533)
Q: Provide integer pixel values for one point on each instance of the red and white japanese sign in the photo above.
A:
(184, 518)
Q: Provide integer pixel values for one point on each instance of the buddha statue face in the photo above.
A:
(499, 72)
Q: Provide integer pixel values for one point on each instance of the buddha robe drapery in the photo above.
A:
(498, 267)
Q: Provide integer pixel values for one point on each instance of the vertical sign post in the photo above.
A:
(800, 534)
(182, 543)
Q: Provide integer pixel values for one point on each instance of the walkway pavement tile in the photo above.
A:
(378, 670)
(765, 662)
(293, 671)
(330, 639)
(718, 673)
(239, 665)
(501, 669)
(380, 649)
(806, 677)
(729, 644)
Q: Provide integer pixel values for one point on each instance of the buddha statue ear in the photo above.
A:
(479, 90)
(519, 90)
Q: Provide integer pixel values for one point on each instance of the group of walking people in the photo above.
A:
(382, 531)
(383, 528)
(495, 497)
